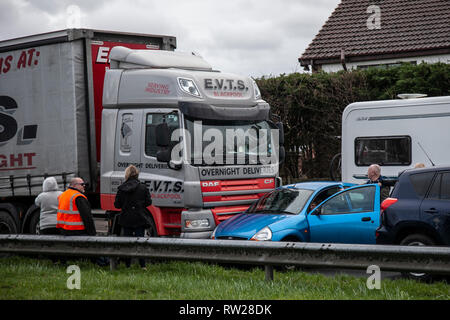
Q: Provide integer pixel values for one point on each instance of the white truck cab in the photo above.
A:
(188, 129)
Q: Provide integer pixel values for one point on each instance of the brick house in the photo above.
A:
(364, 33)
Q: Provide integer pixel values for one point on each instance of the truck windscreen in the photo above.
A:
(219, 142)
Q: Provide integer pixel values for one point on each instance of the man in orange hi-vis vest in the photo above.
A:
(74, 216)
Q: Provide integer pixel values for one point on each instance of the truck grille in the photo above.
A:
(220, 193)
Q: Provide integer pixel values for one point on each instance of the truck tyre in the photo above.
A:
(7, 223)
(151, 231)
(34, 223)
(31, 221)
(417, 240)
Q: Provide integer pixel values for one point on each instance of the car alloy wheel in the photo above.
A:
(417, 240)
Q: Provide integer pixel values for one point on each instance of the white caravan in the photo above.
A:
(396, 134)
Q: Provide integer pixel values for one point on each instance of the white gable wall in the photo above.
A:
(335, 67)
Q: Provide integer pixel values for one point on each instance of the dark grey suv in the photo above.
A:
(418, 210)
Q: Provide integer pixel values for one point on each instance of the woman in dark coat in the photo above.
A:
(133, 198)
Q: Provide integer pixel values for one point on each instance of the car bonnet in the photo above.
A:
(245, 225)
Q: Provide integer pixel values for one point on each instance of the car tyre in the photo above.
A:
(417, 240)
(288, 267)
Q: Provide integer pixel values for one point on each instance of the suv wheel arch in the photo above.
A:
(407, 230)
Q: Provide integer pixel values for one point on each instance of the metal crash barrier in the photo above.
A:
(269, 254)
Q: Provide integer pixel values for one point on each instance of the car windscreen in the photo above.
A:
(282, 201)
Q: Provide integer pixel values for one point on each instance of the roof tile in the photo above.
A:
(405, 26)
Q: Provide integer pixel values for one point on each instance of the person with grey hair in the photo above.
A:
(133, 198)
(374, 175)
(47, 201)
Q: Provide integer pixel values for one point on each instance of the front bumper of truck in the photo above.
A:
(197, 224)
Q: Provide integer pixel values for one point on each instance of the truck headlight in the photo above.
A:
(195, 224)
(264, 234)
(188, 86)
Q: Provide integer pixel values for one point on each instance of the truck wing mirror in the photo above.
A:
(163, 155)
(162, 136)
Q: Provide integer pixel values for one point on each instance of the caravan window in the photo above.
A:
(387, 151)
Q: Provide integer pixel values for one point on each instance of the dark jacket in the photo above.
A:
(133, 198)
(385, 187)
(86, 215)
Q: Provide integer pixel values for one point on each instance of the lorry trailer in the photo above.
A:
(51, 88)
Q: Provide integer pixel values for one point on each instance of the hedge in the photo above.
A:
(311, 105)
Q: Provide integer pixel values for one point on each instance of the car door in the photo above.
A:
(165, 184)
(435, 207)
(350, 216)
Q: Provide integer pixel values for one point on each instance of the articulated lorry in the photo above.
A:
(89, 103)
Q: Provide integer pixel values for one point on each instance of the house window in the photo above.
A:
(386, 151)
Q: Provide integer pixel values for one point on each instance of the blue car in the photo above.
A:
(326, 212)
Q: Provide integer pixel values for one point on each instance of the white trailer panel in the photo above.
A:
(43, 94)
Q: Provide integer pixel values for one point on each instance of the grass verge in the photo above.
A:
(30, 279)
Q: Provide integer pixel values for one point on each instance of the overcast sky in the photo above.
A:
(250, 37)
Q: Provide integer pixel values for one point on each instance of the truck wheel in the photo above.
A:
(151, 230)
(7, 224)
(34, 223)
(417, 240)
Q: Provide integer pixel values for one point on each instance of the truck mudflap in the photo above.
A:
(167, 220)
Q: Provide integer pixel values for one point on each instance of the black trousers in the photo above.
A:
(133, 232)
(50, 231)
